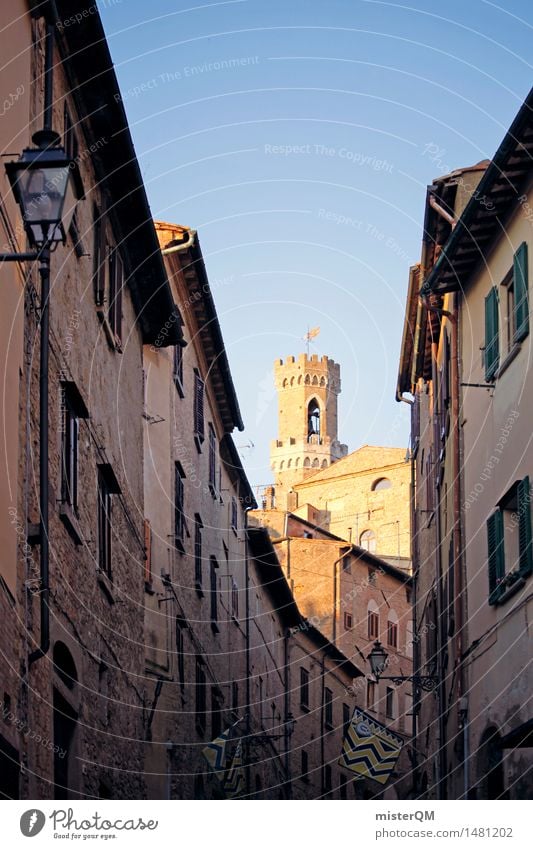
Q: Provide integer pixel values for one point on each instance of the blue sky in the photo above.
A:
(298, 137)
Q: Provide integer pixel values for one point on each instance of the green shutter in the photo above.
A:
(492, 339)
(521, 296)
(496, 557)
(524, 528)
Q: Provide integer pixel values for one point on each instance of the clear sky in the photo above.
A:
(298, 137)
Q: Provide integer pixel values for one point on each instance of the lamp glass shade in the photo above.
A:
(44, 187)
(378, 659)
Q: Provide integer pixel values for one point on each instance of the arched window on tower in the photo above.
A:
(313, 421)
(315, 380)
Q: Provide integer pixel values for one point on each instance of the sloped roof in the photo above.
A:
(364, 459)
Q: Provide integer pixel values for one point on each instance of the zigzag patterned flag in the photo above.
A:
(215, 754)
(369, 748)
(234, 784)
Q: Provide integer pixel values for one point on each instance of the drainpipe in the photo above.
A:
(433, 202)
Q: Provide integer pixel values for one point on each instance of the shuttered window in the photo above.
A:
(496, 556)
(179, 511)
(199, 426)
(99, 257)
(521, 296)
(524, 528)
(492, 335)
(116, 283)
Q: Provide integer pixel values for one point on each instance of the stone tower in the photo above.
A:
(307, 421)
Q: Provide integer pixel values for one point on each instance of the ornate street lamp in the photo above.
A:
(379, 659)
(46, 186)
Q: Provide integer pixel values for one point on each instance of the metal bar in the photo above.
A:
(29, 256)
(44, 271)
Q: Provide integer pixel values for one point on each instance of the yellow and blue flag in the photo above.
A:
(215, 754)
(234, 784)
(369, 748)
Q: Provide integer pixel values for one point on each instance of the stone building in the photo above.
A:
(467, 367)
(353, 598)
(363, 496)
(195, 495)
(73, 704)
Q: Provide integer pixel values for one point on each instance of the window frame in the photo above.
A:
(116, 288)
(199, 410)
(304, 689)
(198, 565)
(179, 506)
(328, 708)
(213, 593)
(177, 369)
(212, 451)
(105, 525)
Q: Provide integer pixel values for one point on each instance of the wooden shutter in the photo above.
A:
(199, 407)
(492, 338)
(521, 297)
(524, 528)
(147, 552)
(99, 257)
(496, 557)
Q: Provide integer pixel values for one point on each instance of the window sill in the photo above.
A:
(198, 440)
(178, 544)
(508, 360)
(70, 521)
(106, 585)
(213, 490)
(199, 590)
(214, 627)
(304, 708)
(179, 386)
(503, 594)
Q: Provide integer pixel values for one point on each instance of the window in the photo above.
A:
(492, 334)
(327, 779)
(216, 712)
(177, 369)
(509, 308)
(234, 515)
(199, 427)
(392, 630)
(179, 512)
(367, 540)
(198, 553)
(69, 452)
(381, 483)
(343, 786)
(328, 708)
(116, 284)
(200, 696)
(371, 577)
(99, 256)
(304, 688)
(212, 461)
(235, 697)
(214, 593)
(370, 695)
(180, 650)
(147, 553)
(345, 717)
(390, 703)
(348, 621)
(234, 599)
(521, 294)
(106, 488)
(69, 140)
(373, 620)
(313, 421)
(409, 638)
(305, 766)
(509, 542)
